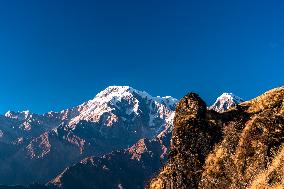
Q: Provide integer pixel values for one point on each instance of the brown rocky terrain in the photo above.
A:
(130, 168)
(239, 148)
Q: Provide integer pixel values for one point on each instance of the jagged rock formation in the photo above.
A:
(239, 148)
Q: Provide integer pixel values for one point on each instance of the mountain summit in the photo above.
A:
(124, 103)
(225, 102)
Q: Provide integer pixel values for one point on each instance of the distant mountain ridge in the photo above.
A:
(115, 119)
(106, 104)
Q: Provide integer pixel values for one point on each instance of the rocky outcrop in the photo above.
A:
(239, 148)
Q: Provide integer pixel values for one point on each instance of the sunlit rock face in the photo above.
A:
(239, 148)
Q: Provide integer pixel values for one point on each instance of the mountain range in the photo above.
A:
(119, 139)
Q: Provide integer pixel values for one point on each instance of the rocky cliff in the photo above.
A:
(238, 148)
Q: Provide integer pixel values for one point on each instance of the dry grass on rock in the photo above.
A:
(242, 148)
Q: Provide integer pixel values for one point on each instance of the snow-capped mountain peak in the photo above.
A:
(231, 96)
(110, 97)
(117, 103)
(225, 102)
(121, 91)
(18, 115)
(114, 90)
(119, 106)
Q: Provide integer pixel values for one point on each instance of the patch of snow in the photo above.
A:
(18, 115)
(109, 100)
(225, 102)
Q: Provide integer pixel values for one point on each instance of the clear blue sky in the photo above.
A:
(55, 54)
